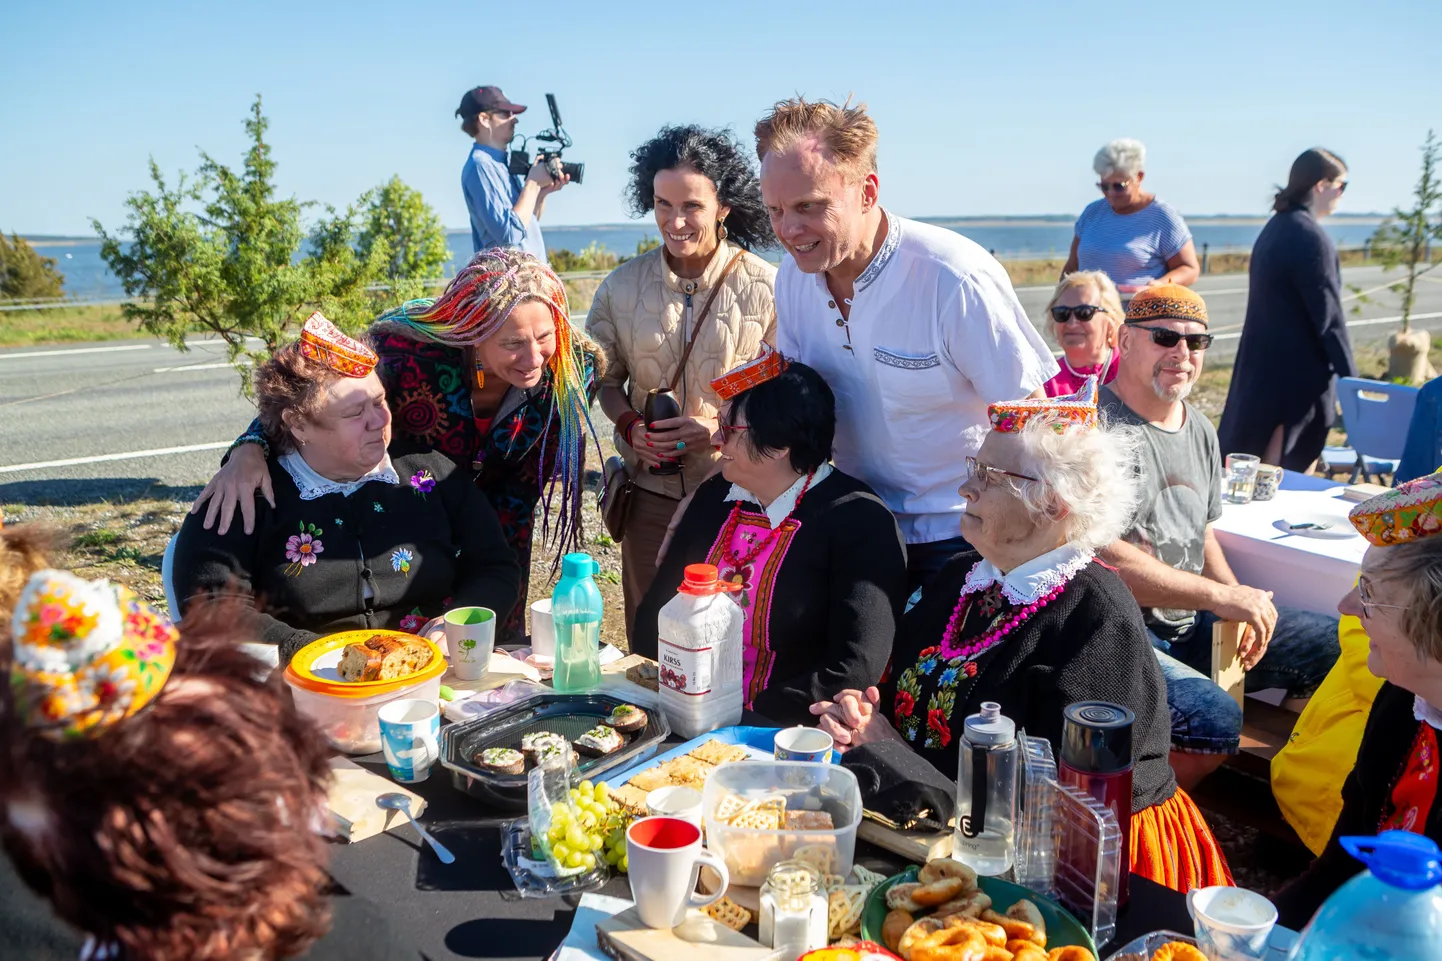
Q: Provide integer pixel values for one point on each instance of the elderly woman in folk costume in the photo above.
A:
(361, 532)
(493, 375)
(817, 557)
(121, 737)
(1032, 621)
(1398, 597)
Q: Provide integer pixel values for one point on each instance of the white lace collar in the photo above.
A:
(786, 503)
(313, 485)
(1032, 580)
(1423, 711)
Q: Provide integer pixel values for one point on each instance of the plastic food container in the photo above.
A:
(347, 710)
(749, 852)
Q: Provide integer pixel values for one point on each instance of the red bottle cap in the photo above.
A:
(703, 579)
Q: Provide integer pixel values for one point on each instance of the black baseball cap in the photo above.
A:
(484, 100)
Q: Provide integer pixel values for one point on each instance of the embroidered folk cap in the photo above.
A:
(87, 654)
(1408, 512)
(768, 365)
(1063, 413)
(1167, 302)
(322, 342)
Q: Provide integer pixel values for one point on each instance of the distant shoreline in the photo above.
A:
(1038, 220)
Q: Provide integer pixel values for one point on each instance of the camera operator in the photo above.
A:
(505, 210)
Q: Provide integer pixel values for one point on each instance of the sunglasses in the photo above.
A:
(1115, 186)
(502, 115)
(1342, 187)
(1082, 312)
(984, 473)
(1163, 337)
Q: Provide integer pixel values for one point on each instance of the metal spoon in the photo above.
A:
(401, 803)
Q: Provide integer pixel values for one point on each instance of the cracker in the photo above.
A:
(832, 882)
(686, 771)
(809, 821)
(843, 911)
(649, 779)
(719, 752)
(630, 797)
(729, 806)
(861, 875)
(729, 913)
(757, 819)
(822, 857)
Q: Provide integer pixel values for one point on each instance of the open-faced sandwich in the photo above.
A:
(381, 658)
(627, 718)
(501, 760)
(599, 741)
(533, 744)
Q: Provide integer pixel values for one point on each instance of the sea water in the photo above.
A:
(578, 651)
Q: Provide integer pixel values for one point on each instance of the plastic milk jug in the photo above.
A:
(699, 654)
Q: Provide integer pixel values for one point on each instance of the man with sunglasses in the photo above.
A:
(1171, 559)
(505, 211)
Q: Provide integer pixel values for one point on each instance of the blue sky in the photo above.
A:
(984, 108)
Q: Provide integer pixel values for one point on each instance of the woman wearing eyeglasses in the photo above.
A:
(1394, 783)
(1031, 621)
(818, 557)
(1282, 412)
(1130, 235)
(1086, 313)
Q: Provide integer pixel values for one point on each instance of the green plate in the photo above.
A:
(1062, 929)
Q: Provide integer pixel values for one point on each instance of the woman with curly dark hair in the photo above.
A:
(160, 795)
(678, 317)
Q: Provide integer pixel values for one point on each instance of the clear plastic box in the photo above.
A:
(749, 852)
(353, 723)
(1035, 846)
(1088, 860)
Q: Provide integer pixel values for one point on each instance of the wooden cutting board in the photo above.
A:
(699, 938)
(918, 846)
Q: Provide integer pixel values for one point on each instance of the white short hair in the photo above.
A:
(1124, 156)
(1093, 474)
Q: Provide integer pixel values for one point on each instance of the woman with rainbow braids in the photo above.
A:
(491, 374)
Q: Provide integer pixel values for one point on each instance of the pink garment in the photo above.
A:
(1070, 380)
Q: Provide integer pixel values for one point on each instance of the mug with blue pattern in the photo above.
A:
(410, 732)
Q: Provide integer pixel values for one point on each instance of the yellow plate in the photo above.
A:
(301, 672)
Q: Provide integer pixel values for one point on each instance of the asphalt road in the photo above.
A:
(118, 419)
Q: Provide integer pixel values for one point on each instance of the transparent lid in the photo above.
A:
(1088, 859)
(1035, 846)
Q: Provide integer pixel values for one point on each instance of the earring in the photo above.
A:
(480, 376)
(721, 230)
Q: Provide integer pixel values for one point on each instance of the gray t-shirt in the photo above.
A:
(1181, 494)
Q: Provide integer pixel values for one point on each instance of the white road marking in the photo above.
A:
(171, 370)
(1204, 293)
(74, 350)
(1369, 322)
(127, 455)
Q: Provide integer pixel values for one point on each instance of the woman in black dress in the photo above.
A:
(1398, 596)
(1283, 398)
(820, 559)
(1032, 621)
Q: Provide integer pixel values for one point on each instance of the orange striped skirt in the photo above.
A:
(1172, 845)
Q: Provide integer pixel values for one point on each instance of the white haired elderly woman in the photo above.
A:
(1031, 621)
(1130, 235)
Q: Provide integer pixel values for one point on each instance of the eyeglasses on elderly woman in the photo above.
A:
(985, 472)
(1369, 606)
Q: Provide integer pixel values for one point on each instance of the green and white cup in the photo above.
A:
(471, 636)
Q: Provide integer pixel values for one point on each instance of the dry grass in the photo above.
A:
(64, 325)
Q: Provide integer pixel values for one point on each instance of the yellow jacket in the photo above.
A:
(1308, 772)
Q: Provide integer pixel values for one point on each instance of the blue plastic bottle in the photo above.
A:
(576, 610)
(1390, 912)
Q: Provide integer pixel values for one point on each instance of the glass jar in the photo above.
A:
(793, 910)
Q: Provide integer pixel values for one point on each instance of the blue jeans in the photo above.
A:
(1205, 719)
(924, 561)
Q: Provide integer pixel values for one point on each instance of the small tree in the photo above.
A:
(25, 274)
(414, 240)
(237, 268)
(1404, 241)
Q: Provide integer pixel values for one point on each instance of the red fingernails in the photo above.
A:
(649, 444)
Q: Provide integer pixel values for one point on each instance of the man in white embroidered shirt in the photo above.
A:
(916, 328)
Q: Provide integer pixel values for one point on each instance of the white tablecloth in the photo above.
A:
(1310, 573)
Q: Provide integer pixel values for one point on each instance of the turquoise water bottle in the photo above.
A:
(576, 610)
(1390, 912)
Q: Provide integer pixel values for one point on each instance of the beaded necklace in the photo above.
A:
(950, 648)
(739, 561)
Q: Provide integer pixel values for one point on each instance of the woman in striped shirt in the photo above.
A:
(1130, 235)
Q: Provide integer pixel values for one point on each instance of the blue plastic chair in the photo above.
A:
(1376, 415)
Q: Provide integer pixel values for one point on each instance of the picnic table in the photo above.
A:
(1312, 573)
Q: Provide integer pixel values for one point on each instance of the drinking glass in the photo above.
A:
(1241, 477)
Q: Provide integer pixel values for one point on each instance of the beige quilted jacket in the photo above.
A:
(637, 319)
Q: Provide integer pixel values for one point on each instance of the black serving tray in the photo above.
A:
(569, 715)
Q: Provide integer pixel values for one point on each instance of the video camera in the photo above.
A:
(521, 160)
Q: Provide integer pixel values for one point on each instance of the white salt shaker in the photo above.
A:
(793, 910)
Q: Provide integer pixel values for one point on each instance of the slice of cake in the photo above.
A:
(382, 658)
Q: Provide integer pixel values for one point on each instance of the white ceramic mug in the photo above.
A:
(1231, 924)
(471, 636)
(675, 801)
(802, 744)
(410, 729)
(543, 630)
(664, 857)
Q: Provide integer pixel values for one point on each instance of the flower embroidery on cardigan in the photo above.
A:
(376, 506)
(422, 482)
(413, 622)
(301, 549)
(401, 560)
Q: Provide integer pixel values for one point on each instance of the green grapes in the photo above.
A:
(588, 829)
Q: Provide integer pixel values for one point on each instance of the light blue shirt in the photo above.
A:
(1131, 249)
(491, 191)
